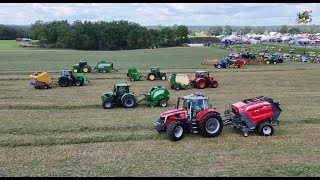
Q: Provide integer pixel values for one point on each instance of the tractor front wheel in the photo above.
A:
(108, 103)
(163, 103)
(268, 62)
(274, 62)
(176, 130)
(218, 66)
(63, 82)
(265, 129)
(210, 125)
(129, 101)
(78, 83)
(151, 77)
(201, 84)
(75, 70)
(227, 66)
(163, 78)
(214, 84)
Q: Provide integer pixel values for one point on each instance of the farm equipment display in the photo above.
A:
(274, 59)
(41, 80)
(122, 96)
(222, 64)
(104, 67)
(156, 74)
(133, 74)
(193, 113)
(202, 79)
(178, 81)
(82, 67)
(67, 78)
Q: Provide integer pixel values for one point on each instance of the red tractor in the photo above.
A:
(192, 114)
(195, 114)
(202, 79)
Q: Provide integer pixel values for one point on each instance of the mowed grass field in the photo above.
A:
(66, 132)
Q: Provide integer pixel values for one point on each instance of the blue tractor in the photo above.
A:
(274, 59)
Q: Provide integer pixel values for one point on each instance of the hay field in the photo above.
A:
(66, 132)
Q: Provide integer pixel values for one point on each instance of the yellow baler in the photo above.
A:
(41, 80)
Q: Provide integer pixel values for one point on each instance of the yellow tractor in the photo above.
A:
(210, 61)
(41, 80)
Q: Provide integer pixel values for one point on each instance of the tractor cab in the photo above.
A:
(67, 73)
(82, 63)
(121, 89)
(202, 74)
(155, 70)
(193, 103)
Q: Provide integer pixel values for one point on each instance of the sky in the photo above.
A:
(165, 14)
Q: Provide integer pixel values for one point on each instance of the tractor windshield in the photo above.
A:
(199, 104)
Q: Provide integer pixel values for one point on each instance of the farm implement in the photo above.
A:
(42, 80)
(82, 67)
(104, 67)
(179, 81)
(274, 59)
(154, 74)
(193, 113)
(122, 96)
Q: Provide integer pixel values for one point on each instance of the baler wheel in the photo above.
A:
(265, 129)
(176, 130)
(163, 103)
(177, 87)
(78, 83)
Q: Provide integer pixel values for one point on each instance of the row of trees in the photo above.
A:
(115, 35)
(12, 32)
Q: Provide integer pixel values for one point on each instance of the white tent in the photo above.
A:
(231, 37)
(304, 40)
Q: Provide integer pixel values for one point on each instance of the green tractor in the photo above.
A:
(122, 96)
(178, 81)
(82, 67)
(156, 74)
(67, 77)
(133, 74)
(104, 67)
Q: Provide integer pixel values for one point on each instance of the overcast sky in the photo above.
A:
(166, 14)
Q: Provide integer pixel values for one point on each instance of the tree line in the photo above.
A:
(115, 35)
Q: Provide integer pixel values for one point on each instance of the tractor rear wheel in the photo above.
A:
(214, 84)
(131, 79)
(265, 129)
(177, 87)
(151, 77)
(63, 82)
(201, 84)
(129, 101)
(85, 69)
(108, 103)
(210, 125)
(163, 78)
(176, 130)
(268, 62)
(227, 66)
(163, 103)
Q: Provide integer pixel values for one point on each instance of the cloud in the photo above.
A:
(235, 14)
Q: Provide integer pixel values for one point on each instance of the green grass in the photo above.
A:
(66, 132)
